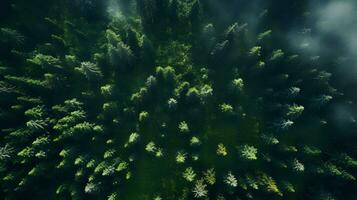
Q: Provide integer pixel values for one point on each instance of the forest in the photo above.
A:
(178, 99)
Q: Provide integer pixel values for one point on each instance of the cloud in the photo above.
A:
(333, 29)
(335, 15)
(332, 33)
(339, 19)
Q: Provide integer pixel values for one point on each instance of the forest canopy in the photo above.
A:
(178, 99)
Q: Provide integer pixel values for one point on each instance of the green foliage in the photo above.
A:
(284, 124)
(110, 107)
(107, 90)
(226, 108)
(92, 188)
(172, 103)
(269, 139)
(332, 170)
(133, 138)
(81, 160)
(277, 54)
(5, 152)
(91, 164)
(210, 176)
(157, 198)
(181, 157)
(120, 54)
(346, 160)
(206, 91)
(255, 51)
(113, 196)
(109, 153)
(165, 74)
(189, 174)
(143, 116)
(150, 147)
(27, 82)
(194, 141)
(231, 180)
(45, 61)
(288, 187)
(35, 112)
(322, 100)
(38, 170)
(41, 141)
(238, 84)
(264, 35)
(26, 154)
(159, 152)
(294, 111)
(69, 120)
(297, 166)
(221, 150)
(122, 166)
(6, 88)
(151, 82)
(311, 151)
(193, 94)
(36, 125)
(90, 71)
(268, 184)
(200, 190)
(142, 99)
(139, 96)
(251, 182)
(183, 127)
(248, 152)
(174, 54)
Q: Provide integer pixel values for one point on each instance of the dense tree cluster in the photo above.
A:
(156, 99)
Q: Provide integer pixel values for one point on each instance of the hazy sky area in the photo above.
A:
(333, 30)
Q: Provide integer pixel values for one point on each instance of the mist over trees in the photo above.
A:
(178, 99)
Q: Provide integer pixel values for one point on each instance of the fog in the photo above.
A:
(331, 29)
(333, 33)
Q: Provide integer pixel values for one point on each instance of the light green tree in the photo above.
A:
(200, 189)
(189, 174)
(231, 180)
(221, 150)
(183, 127)
(248, 152)
(210, 176)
